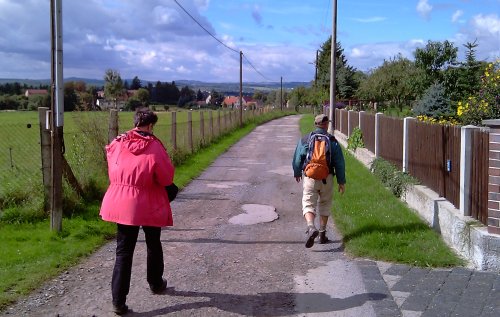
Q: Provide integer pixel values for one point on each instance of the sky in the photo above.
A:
(158, 40)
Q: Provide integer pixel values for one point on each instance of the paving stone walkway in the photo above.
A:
(420, 292)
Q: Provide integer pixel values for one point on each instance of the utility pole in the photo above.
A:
(56, 122)
(316, 71)
(281, 94)
(333, 68)
(241, 88)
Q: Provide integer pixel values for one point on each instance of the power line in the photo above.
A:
(215, 38)
(232, 49)
(256, 68)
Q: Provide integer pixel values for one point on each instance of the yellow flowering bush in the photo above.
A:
(440, 120)
(485, 104)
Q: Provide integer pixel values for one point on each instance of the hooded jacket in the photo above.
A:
(139, 168)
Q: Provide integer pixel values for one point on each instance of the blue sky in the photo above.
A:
(157, 40)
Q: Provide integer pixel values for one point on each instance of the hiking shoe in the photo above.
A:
(323, 238)
(158, 289)
(312, 233)
(120, 309)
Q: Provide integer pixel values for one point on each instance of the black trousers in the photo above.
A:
(126, 240)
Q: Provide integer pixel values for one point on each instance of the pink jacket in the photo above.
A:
(139, 168)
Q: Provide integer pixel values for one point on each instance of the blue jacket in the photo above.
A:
(337, 163)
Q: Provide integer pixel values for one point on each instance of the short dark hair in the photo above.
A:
(143, 117)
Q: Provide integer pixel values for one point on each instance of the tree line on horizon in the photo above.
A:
(434, 87)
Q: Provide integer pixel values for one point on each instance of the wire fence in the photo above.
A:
(20, 162)
(85, 137)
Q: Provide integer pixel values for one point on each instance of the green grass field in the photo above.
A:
(85, 136)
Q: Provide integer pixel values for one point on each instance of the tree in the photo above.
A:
(165, 93)
(298, 97)
(217, 98)
(396, 80)
(187, 95)
(346, 84)
(142, 95)
(199, 95)
(260, 96)
(136, 83)
(435, 58)
(113, 88)
(70, 96)
(434, 103)
(464, 80)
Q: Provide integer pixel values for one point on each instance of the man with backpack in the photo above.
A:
(318, 157)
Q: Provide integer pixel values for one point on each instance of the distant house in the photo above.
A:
(104, 103)
(35, 92)
(232, 102)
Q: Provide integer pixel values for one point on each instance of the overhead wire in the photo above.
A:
(215, 38)
(251, 65)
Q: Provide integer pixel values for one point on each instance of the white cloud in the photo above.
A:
(369, 56)
(485, 31)
(424, 8)
(370, 20)
(456, 16)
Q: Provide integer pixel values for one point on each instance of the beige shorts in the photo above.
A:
(316, 196)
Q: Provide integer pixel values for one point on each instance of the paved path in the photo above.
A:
(220, 262)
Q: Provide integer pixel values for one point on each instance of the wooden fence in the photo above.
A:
(391, 140)
(434, 158)
(479, 175)
(433, 154)
(367, 125)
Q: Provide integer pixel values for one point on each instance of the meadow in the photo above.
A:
(85, 137)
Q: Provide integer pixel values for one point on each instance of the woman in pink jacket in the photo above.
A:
(139, 168)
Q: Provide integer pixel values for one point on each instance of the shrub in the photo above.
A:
(434, 103)
(355, 140)
(485, 103)
(392, 178)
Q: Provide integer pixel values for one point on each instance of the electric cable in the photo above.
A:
(215, 38)
(232, 49)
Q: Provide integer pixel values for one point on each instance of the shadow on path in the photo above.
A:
(263, 304)
(207, 240)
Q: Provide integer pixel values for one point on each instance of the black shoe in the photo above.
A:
(312, 233)
(323, 238)
(120, 309)
(158, 289)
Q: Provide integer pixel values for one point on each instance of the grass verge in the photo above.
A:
(377, 225)
(31, 254)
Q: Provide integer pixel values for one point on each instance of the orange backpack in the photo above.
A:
(317, 161)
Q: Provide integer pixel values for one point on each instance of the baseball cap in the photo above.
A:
(320, 119)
